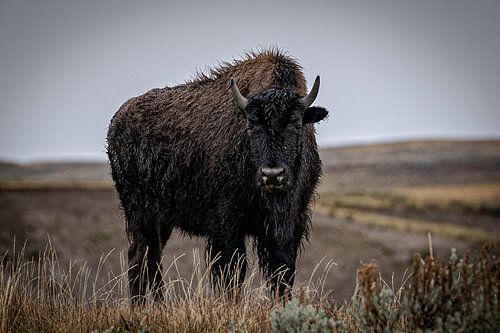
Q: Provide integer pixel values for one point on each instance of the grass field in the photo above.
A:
(42, 295)
(449, 188)
(472, 215)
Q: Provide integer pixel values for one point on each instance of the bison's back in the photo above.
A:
(179, 123)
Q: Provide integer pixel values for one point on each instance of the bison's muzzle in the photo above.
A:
(273, 178)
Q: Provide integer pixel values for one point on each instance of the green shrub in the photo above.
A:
(459, 296)
(300, 318)
(374, 308)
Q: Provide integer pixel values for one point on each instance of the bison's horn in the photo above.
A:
(309, 99)
(240, 99)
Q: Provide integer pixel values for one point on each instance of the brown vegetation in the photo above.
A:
(458, 295)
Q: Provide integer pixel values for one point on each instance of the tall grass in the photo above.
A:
(39, 295)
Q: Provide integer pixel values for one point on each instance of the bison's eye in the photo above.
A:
(296, 122)
(251, 124)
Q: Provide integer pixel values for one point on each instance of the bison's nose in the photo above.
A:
(272, 175)
(272, 172)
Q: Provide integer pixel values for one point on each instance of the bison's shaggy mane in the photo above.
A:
(286, 70)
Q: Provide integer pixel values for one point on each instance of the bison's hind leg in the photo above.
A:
(144, 257)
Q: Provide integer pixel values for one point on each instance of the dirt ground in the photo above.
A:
(85, 224)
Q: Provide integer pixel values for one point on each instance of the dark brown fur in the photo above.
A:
(180, 158)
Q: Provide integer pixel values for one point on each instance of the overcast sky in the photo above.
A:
(390, 69)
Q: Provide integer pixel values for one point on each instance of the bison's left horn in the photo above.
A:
(240, 99)
(309, 99)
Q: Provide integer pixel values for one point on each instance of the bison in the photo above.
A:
(227, 155)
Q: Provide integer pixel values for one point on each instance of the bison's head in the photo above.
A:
(276, 126)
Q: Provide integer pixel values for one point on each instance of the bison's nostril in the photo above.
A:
(272, 172)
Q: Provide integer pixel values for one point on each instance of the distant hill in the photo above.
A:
(410, 163)
(55, 171)
(345, 168)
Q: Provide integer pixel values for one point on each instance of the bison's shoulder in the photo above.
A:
(136, 107)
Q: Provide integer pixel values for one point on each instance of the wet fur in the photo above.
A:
(180, 158)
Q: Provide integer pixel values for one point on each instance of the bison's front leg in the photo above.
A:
(228, 263)
(277, 260)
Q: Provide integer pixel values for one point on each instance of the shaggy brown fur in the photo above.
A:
(181, 157)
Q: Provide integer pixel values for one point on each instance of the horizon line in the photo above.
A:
(93, 157)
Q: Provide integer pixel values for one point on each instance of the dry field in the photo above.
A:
(460, 294)
(84, 224)
(376, 202)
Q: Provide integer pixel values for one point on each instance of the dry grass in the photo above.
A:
(475, 235)
(472, 193)
(466, 212)
(41, 296)
(480, 199)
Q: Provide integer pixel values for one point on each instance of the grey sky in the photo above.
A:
(390, 69)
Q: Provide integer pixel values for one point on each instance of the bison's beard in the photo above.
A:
(280, 216)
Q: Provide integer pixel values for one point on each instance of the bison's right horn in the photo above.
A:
(309, 99)
(240, 99)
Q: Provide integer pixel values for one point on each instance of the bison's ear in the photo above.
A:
(314, 114)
